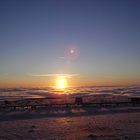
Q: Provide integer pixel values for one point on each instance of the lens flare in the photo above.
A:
(71, 52)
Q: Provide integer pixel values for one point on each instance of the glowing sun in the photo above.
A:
(61, 83)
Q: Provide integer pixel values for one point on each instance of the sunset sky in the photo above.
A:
(89, 42)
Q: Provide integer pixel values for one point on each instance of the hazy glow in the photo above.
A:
(71, 51)
(61, 83)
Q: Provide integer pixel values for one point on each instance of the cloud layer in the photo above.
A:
(55, 75)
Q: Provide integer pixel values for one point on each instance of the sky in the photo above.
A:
(91, 42)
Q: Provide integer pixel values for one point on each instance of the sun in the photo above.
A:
(61, 83)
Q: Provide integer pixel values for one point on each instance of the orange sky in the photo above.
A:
(29, 81)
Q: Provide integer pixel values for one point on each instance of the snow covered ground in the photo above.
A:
(71, 124)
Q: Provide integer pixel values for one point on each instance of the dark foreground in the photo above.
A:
(74, 124)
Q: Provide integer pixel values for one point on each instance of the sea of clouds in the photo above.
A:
(40, 92)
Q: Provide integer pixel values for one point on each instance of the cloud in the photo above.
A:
(55, 75)
(62, 58)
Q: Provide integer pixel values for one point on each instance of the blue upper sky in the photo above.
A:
(34, 35)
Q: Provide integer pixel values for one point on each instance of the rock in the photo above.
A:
(33, 126)
(30, 131)
(127, 137)
(93, 137)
